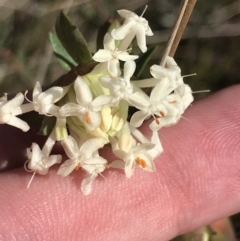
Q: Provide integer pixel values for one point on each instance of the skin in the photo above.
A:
(197, 182)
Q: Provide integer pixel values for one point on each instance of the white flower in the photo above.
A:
(133, 26)
(175, 108)
(150, 106)
(185, 92)
(86, 157)
(86, 108)
(39, 163)
(9, 110)
(120, 88)
(43, 102)
(112, 55)
(171, 71)
(132, 154)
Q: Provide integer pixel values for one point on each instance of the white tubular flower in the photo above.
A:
(39, 163)
(175, 108)
(120, 88)
(172, 72)
(150, 106)
(133, 155)
(185, 92)
(85, 157)
(86, 108)
(132, 26)
(112, 55)
(9, 110)
(43, 102)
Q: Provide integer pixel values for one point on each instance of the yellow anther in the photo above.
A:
(87, 117)
(141, 162)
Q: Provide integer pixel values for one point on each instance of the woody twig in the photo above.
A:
(181, 21)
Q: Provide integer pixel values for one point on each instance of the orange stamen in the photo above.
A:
(87, 117)
(173, 102)
(162, 113)
(157, 121)
(78, 166)
(141, 162)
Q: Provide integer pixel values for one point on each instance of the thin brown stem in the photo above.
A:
(184, 14)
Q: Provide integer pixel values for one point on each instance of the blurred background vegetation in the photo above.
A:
(210, 46)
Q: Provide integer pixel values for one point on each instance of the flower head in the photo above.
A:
(39, 163)
(43, 102)
(172, 72)
(120, 88)
(86, 157)
(111, 55)
(9, 109)
(133, 25)
(150, 106)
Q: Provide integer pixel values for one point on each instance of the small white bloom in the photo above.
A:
(171, 71)
(175, 108)
(132, 154)
(112, 55)
(150, 106)
(85, 156)
(86, 108)
(9, 110)
(120, 88)
(43, 102)
(39, 163)
(133, 25)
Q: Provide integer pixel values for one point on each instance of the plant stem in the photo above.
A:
(183, 16)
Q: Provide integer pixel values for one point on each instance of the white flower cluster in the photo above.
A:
(94, 109)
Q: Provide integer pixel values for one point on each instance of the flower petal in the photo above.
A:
(37, 90)
(53, 159)
(109, 42)
(117, 164)
(154, 152)
(122, 32)
(141, 38)
(86, 185)
(114, 67)
(139, 100)
(51, 95)
(70, 146)
(12, 104)
(129, 69)
(161, 90)
(91, 146)
(91, 119)
(125, 56)
(83, 92)
(67, 167)
(124, 13)
(70, 109)
(102, 55)
(17, 122)
(101, 101)
(129, 167)
(36, 163)
(138, 118)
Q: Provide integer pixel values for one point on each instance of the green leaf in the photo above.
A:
(72, 40)
(60, 52)
(142, 61)
(47, 125)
